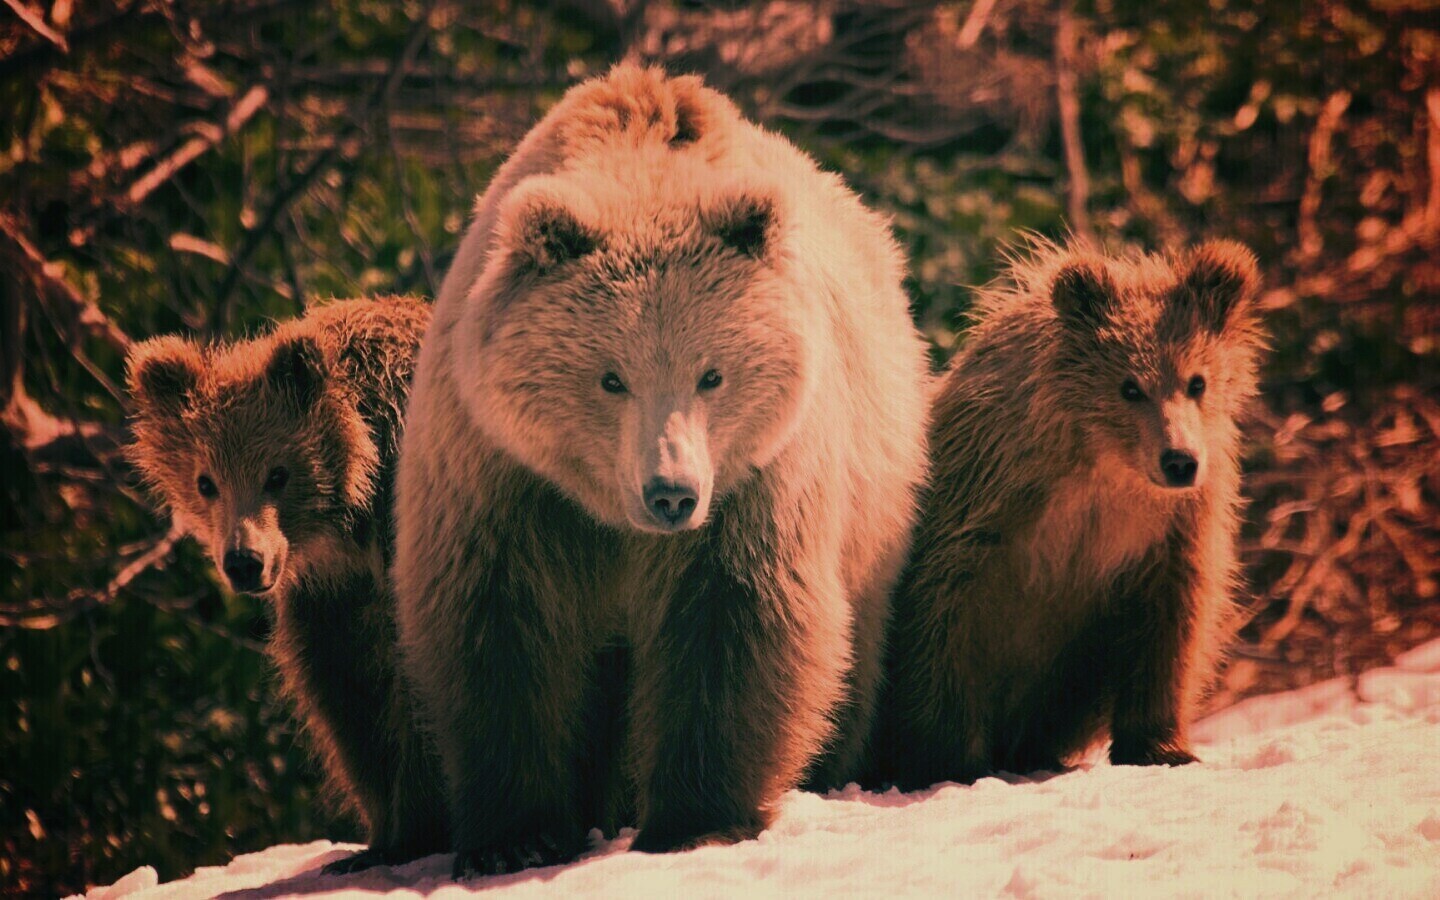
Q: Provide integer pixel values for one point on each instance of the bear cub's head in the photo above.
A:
(643, 347)
(1161, 354)
(254, 448)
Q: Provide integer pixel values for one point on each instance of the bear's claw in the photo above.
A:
(355, 862)
(1151, 756)
(672, 840)
(500, 859)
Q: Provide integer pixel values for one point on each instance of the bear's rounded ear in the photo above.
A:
(297, 370)
(1082, 292)
(547, 234)
(1223, 279)
(163, 373)
(744, 223)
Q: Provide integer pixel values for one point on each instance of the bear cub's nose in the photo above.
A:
(670, 504)
(243, 568)
(1179, 467)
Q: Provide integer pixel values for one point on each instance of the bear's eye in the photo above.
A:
(1196, 388)
(612, 383)
(1130, 390)
(277, 478)
(710, 380)
(206, 487)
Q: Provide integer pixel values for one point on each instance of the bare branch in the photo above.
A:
(210, 135)
(322, 161)
(82, 316)
(42, 614)
(37, 23)
(1311, 241)
(1067, 95)
(974, 24)
(1432, 156)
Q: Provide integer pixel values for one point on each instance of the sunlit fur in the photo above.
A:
(626, 244)
(320, 397)
(1057, 589)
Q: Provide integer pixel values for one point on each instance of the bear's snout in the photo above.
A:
(1180, 468)
(671, 504)
(245, 570)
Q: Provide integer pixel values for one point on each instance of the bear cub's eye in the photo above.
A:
(612, 383)
(1131, 391)
(276, 479)
(206, 487)
(1196, 387)
(710, 380)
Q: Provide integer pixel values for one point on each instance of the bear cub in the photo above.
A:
(278, 453)
(1073, 568)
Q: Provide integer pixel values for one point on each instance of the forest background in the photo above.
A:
(208, 167)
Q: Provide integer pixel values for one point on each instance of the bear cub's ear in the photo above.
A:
(745, 224)
(1223, 280)
(1082, 292)
(163, 373)
(297, 370)
(549, 235)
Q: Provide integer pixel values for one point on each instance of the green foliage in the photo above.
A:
(138, 721)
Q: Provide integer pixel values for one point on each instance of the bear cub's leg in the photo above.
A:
(334, 645)
(1152, 698)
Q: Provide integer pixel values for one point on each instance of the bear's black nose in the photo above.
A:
(670, 504)
(244, 568)
(1179, 467)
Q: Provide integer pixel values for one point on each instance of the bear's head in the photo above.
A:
(1159, 354)
(255, 449)
(641, 343)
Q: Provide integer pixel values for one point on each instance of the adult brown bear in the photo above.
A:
(672, 401)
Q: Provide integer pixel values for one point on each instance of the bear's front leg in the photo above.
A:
(1155, 691)
(496, 658)
(737, 685)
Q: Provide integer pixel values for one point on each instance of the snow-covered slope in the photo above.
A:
(1321, 792)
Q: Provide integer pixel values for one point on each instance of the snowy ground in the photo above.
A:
(1321, 792)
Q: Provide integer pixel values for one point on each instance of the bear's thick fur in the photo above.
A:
(1073, 569)
(671, 410)
(279, 454)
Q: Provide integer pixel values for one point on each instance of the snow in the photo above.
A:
(1331, 790)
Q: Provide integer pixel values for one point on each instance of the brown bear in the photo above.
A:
(279, 454)
(1073, 568)
(672, 405)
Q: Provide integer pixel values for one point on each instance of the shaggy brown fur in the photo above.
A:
(279, 453)
(1066, 576)
(678, 410)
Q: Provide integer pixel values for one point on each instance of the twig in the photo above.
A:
(36, 21)
(1432, 156)
(85, 315)
(408, 208)
(1311, 241)
(282, 199)
(210, 135)
(42, 614)
(974, 24)
(1067, 95)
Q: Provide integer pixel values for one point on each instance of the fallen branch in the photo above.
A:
(974, 24)
(1311, 241)
(42, 614)
(210, 135)
(281, 200)
(37, 24)
(1067, 96)
(83, 315)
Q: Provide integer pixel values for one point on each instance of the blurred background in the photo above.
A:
(168, 165)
